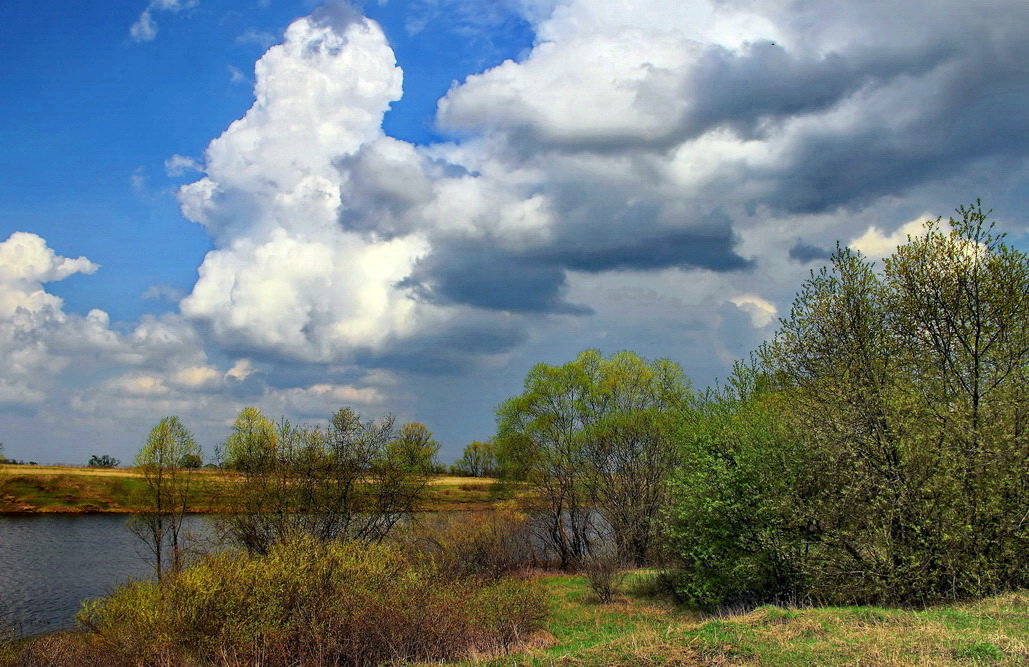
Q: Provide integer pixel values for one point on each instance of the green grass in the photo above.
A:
(637, 630)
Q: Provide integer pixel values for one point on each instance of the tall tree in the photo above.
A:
(252, 444)
(166, 491)
(479, 459)
(591, 437)
(415, 448)
(908, 388)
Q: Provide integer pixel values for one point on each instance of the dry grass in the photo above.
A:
(69, 489)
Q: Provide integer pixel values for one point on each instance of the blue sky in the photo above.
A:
(425, 197)
(96, 114)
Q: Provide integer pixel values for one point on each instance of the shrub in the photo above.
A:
(605, 574)
(479, 544)
(307, 602)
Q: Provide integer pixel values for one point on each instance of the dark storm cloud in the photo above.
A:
(533, 281)
(766, 82)
(971, 108)
(805, 252)
(485, 277)
(453, 350)
(686, 249)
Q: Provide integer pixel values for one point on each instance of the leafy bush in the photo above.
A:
(308, 602)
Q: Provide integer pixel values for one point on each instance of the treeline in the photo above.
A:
(875, 450)
(352, 479)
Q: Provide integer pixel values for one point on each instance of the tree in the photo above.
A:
(252, 444)
(896, 399)
(103, 461)
(592, 437)
(414, 448)
(353, 479)
(479, 459)
(166, 492)
(192, 461)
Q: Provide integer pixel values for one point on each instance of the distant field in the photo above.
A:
(37, 489)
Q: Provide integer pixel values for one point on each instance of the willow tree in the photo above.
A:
(166, 492)
(593, 438)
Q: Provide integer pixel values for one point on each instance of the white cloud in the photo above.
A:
(163, 293)
(285, 276)
(875, 243)
(177, 165)
(259, 37)
(761, 311)
(236, 75)
(145, 27)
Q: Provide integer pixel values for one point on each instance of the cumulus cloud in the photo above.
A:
(634, 137)
(650, 174)
(761, 311)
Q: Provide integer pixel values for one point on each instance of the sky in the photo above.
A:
(401, 206)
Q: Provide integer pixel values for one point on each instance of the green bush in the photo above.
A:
(307, 602)
(876, 450)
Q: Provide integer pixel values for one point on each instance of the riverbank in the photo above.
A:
(28, 489)
(637, 629)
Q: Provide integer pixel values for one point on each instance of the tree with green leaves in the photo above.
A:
(896, 398)
(353, 479)
(166, 488)
(415, 448)
(103, 461)
(252, 444)
(593, 437)
(479, 459)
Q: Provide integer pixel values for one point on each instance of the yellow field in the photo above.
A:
(35, 489)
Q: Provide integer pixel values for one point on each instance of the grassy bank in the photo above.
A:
(636, 629)
(639, 630)
(58, 489)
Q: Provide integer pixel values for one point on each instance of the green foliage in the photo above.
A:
(878, 450)
(308, 602)
(167, 492)
(103, 461)
(593, 437)
(479, 459)
(734, 524)
(191, 461)
(414, 449)
(253, 442)
(354, 479)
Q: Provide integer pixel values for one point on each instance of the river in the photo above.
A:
(50, 563)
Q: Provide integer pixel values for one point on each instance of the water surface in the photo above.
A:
(50, 563)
